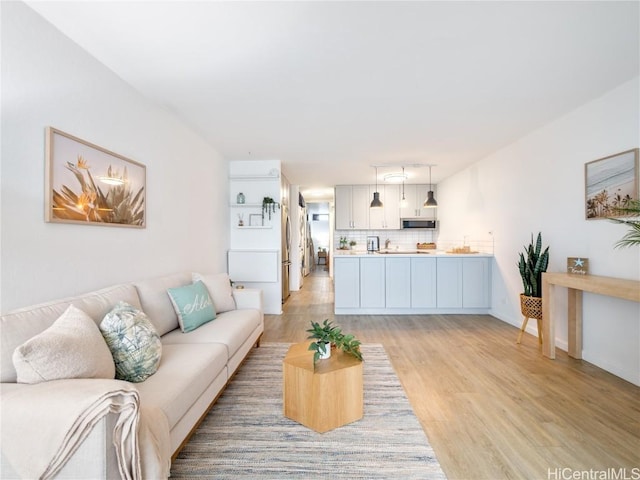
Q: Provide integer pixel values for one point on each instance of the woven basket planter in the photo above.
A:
(531, 307)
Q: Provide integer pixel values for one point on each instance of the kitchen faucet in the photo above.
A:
(386, 244)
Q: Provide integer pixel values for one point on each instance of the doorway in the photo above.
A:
(320, 227)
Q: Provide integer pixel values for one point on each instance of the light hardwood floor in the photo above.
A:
(491, 409)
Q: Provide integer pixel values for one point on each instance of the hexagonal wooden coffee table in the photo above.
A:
(325, 397)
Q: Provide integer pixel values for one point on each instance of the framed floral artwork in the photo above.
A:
(610, 183)
(89, 185)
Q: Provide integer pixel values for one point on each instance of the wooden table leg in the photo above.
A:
(574, 321)
(548, 323)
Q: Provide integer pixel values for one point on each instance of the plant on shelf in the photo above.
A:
(328, 334)
(269, 206)
(632, 237)
(531, 268)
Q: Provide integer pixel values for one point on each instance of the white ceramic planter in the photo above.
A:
(327, 354)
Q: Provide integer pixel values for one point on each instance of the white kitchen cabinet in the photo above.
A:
(398, 282)
(343, 207)
(423, 282)
(415, 196)
(372, 282)
(464, 282)
(387, 217)
(412, 283)
(449, 282)
(476, 280)
(346, 275)
(352, 207)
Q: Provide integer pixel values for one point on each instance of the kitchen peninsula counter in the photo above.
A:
(406, 253)
(411, 282)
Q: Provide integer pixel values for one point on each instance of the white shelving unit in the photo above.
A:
(255, 246)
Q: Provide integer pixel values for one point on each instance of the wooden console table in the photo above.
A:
(576, 284)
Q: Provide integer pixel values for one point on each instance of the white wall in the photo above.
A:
(537, 184)
(49, 80)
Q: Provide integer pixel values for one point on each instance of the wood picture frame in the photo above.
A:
(256, 220)
(610, 182)
(89, 185)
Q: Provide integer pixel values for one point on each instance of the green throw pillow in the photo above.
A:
(134, 342)
(193, 305)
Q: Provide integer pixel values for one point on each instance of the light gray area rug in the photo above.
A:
(245, 435)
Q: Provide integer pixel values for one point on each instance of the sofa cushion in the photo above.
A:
(20, 325)
(193, 305)
(185, 373)
(72, 347)
(134, 343)
(230, 329)
(220, 290)
(156, 302)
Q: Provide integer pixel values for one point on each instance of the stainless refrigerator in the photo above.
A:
(286, 249)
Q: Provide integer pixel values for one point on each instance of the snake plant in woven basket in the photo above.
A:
(532, 266)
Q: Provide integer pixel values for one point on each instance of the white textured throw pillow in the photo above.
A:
(220, 290)
(72, 347)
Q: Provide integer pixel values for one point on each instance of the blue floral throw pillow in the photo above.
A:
(193, 305)
(134, 342)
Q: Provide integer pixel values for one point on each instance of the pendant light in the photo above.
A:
(430, 201)
(376, 203)
(403, 202)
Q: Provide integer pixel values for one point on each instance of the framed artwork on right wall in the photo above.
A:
(610, 183)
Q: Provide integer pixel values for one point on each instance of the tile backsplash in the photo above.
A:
(407, 239)
(403, 239)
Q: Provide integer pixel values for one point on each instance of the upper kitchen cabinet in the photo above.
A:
(352, 207)
(415, 196)
(387, 217)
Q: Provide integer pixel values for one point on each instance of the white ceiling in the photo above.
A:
(331, 88)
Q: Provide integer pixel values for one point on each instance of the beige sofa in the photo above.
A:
(194, 369)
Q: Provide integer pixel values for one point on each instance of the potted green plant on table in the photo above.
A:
(327, 335)
(532, 264)
(632, 237)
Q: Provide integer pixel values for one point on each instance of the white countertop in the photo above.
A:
(407, 253)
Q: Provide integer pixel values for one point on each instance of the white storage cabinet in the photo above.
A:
(347, 282)
(423, 282)
(352, 207)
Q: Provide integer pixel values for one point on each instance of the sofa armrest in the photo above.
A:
(95, 457)
(248, 298)
(44, 425)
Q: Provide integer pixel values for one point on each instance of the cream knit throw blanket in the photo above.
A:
(44, 424)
